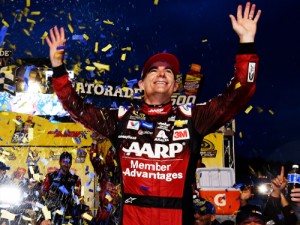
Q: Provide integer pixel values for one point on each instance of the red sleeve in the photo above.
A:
(96, 160)
(99, 120)
(210, 116)
(46, 184)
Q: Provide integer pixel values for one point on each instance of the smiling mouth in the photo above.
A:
(160, 82)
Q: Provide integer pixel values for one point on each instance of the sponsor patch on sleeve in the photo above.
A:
(251, 72)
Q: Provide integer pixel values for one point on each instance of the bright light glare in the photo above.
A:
(264, 188)
(10, 195)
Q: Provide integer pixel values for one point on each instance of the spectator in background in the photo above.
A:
(4, 178)
(59, 189)
(204, 212)
(246, 193)
(250, 214)
(295, 198)
(295, 201)
(277, 207)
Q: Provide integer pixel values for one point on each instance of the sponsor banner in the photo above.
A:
(212, 150)
(26, 130)
(227, 202)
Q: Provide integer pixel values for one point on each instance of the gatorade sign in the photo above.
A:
(227, 201)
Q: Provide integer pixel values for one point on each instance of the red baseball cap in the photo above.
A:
(162, 57)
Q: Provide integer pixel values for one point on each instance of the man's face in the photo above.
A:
(159, 83)
(203, 219)
(65, 165)
(253, 220)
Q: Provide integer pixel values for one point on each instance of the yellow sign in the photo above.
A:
(212, 150)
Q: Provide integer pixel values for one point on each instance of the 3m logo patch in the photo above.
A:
(134, 125)
(181, 134)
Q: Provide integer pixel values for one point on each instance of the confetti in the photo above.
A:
(35, 13)
(106, 48)
(123, 57)
(271, 112)
(237, 85)
(96, 47)
(248, 109)
(240, 134)
(108, 22)
(101, 66)
(70, 28)
(7, 215)
(86, 37)
(30, 21)
(26, 32)
(69, 17)
(90, 68)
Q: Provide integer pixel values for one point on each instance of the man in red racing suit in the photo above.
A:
(158, 144)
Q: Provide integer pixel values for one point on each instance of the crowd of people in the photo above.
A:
(57, 199)
(280, 207)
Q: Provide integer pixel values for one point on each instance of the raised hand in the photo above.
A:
(56, 43)
(279, 183)
(245, 24)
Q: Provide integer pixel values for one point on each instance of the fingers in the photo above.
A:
(62, 32)
(249, 12)
(239, 15)
(56, 36)
(52, 36)
(247, 9)
(282, 172)
(256, 18)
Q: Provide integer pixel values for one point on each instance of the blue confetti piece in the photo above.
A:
(87, 168)
(88, 184)
(144, 188)
(238, 186)
(91, 175)
(77, 37)
(91, 190)
(109, 206)
(2, 34)
(92, 74)
(61, 47)
(132, 82)
(77, 140)
(63, 189)
(114, 105)
(26, 75)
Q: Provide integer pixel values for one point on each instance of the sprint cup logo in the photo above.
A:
(208, 149)
(159, 150)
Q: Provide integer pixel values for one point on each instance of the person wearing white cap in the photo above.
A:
(158, 144)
